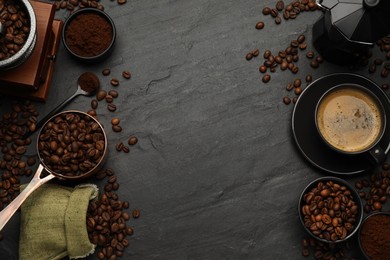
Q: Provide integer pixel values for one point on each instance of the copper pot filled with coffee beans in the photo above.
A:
(72, 146)
(18, 32)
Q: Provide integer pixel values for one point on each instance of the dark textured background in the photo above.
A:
(216, 173)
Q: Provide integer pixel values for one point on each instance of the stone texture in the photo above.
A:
(216, 173)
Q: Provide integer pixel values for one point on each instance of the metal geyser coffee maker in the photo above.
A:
(348, 28)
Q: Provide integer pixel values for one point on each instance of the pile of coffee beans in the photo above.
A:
(71, 144)
(13, 164)
(73, 5)
(107, 219)
(375, 190)
(326, 251)
(14, 18)
(287, 11)
(329, 211)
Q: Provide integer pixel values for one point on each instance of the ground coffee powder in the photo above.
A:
(88, 35)
(375, 237)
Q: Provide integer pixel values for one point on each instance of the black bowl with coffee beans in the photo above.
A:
(330, 209)
(72, 145)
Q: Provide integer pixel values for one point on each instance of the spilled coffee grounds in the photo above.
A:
(88, 35)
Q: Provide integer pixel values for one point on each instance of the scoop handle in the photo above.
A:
(9, 211)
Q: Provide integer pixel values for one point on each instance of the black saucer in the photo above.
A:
(305, 132)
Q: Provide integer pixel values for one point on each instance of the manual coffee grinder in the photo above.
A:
(29, 71)
(348, 28)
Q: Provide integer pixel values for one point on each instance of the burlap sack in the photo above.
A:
(53, 223)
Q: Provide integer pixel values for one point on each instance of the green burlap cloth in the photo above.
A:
(53, 223)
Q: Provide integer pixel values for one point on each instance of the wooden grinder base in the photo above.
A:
(33, 77)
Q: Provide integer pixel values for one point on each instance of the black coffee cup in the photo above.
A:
(351, 120)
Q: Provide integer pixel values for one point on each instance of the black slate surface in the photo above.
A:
(216, 173)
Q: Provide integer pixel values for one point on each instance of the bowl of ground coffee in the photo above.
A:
(330, 209)
(89, 35)
(374, 236)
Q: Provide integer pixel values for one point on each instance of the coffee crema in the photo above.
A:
(349, 119)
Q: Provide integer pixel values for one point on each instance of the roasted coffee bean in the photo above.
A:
(303, 46)
(101, 94)
(109, 99)
(284, 65)
(298, 90)
(126, 74)
(255, 52)
(385, 73)
(278, 20)
(106, 72)
(385, 86)
(301, 38)
(132, 140)
(372, 68)
(125, 149)
(279, 5)
(249, 56)
(309, 78)
(92, 112)
(289, 86)
(117, 128)
(297, 83)
(266, 78)
(310, 55)
(119, 146)
(263, 69)
(314, 64)
(266, 11)
(259, 25)
(136, 213)
(94, 104)
(319, 59)
(286, 100)
(274, 12)
(115, 121)
(113, 93)
(267, 54)
(111, 107)
(114, 82)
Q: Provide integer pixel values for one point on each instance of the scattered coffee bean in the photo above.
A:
(109, 99)
(126, 74)
(111, 107)
(249, 56)
(310, 55)
(297, 83)
(286, 100)
(385, 86)
(132, 140)
(278, 20)
(94, 104)
(266, 78)
(115, 121)
(101, 94)
(298, 90)
(255, 53)
(119, 146)
(125, 149)
(279, 5)
(263, 69)
(289, 86)
(301, 38)
(266, 11)
(267, 54)
(314, 64)
(106, 72)
(113, 93)
(92, 112)
(309, 78)
(259, 25)
(114, 82)
(116, 128)
(136, 213)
